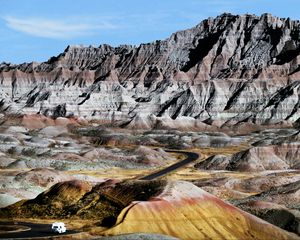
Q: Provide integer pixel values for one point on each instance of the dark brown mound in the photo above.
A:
(274, 214)
(78, 199)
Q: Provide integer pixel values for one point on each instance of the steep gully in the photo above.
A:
(225, 71)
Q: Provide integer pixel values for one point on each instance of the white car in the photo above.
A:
(58, 227)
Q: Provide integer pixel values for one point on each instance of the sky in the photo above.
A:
(35, 30)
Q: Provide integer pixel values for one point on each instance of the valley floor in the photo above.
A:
(88, 165)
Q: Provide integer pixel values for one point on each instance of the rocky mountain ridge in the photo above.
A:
(225, 71)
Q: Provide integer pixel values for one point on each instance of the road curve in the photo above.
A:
(36, 230)
(191, 156)
(43, 230)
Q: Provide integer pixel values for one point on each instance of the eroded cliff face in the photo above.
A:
(225, 71)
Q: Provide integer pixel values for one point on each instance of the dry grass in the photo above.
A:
(187, 172)
(123, 174)
(207, 152)
(190, 173)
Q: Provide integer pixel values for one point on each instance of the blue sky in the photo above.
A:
(35, 30)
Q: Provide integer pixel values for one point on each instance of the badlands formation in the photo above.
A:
(225, 71)
(78, 132)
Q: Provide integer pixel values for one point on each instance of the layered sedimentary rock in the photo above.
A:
(198, 215)
(224, 71)
(281, 153)
(174, 208)
(260, 158)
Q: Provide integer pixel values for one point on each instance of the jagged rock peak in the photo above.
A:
(228, 46)
(232, 69)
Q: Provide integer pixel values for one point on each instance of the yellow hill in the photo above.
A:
(187, 212)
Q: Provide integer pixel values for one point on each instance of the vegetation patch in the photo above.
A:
(78, 200)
